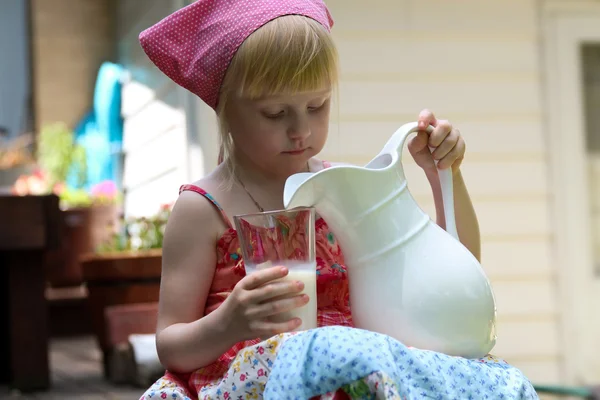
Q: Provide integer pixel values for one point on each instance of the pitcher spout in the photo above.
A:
(298, 191)
(302, 189)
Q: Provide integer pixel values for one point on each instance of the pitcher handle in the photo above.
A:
(395, 145)
(447, 186)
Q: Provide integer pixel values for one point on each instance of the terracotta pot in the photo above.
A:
(119, 279)
(83, 230)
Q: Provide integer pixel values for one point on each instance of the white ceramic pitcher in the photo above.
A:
(409, 278)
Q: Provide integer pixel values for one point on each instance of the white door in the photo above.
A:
(572, 62)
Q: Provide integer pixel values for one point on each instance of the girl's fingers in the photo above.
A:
(274, 307)
(456, 154)
(426, 118)
(266, 329)
(447, 145)
(263, 276)
(418, 142)
(439, 133)
(276, 289)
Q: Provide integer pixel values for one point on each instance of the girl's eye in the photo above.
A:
(317, 108)
(274, 115)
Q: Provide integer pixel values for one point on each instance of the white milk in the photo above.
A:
(307, 274)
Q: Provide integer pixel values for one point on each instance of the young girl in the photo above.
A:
(268, 68)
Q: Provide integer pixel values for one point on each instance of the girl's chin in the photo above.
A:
(288, 169)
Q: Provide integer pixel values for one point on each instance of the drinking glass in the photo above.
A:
(283, 238)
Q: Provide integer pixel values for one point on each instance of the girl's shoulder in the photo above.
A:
(208, 187)
(198, 200)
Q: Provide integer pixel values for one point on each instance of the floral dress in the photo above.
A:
(335, 361)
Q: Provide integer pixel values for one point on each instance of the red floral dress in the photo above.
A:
(332, 295)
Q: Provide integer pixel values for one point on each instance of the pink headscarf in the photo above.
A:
(195, 45)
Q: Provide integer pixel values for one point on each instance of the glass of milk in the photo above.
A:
(283, 238)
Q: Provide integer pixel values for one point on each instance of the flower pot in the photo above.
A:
(119, 279)
(83, 230)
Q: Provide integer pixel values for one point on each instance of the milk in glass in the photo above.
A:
(305, 272)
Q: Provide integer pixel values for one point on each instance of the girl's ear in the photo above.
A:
(221, 154)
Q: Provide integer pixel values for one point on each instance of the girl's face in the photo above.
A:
(279, 134)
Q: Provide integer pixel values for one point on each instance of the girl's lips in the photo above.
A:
(295, 152)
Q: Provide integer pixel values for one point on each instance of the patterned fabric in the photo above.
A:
(195, 45)
(332, 287)
(249, 373)
(168, 387)
(323, 360)
(338, 363)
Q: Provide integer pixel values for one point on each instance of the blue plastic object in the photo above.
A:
(100, 132)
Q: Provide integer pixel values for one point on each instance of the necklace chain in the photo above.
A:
(252, 197)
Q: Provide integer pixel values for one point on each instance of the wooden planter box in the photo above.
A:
(83, 230)
(119, 279)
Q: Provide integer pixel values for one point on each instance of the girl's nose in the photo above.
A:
(299, 128)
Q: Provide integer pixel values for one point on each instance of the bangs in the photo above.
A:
(290, 54)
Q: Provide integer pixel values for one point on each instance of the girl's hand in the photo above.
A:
(259, 296)
(447, 141)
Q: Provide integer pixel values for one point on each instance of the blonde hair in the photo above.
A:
(289, 54)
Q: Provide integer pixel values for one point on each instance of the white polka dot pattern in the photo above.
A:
(195, 45)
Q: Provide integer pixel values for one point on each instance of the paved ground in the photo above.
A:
(76, 374)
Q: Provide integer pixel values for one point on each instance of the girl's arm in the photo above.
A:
(449, 150)
(467, 224)
(186, 339)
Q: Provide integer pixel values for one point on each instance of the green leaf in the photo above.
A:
(58, 154)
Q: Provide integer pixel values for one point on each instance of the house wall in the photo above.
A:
(591, 85)
(155, 125)
(570, 97)
(458, 59)
(15, 80)
(70, 41)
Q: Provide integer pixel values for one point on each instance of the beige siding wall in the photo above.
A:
(459, 59)
(70, 41)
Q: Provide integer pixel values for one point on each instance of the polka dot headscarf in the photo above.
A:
(195, 45)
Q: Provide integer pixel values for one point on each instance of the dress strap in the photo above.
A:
(205, 194)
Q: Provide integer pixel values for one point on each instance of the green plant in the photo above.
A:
(38, 183)
(139, 233)
(59, 156)
(74, 198)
